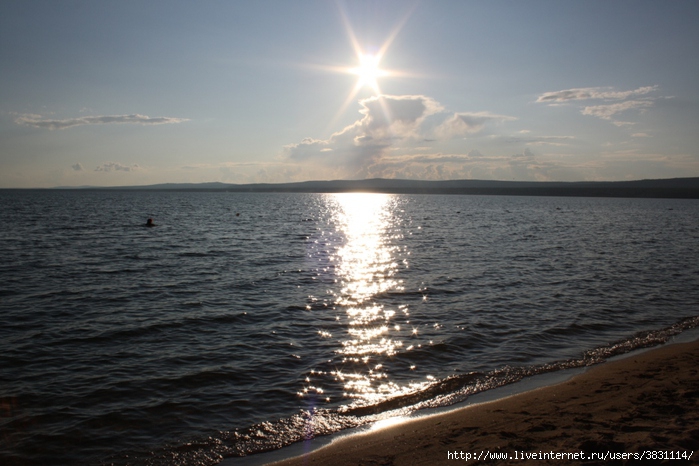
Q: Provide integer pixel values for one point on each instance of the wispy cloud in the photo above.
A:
(428, 166)
(635, 99)
(590, 93)
(539, 140)
(525, 165)
(461, 124)
(115, 166)
(38, 121)
(606, 112)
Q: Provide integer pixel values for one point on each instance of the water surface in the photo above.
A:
(243, 322)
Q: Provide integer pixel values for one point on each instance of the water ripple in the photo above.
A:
(217, 334)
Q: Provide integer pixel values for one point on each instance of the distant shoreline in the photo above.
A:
(685, 188)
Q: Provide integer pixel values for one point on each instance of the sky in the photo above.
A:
(116, 93)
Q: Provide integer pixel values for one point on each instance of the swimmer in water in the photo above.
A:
(150, 223)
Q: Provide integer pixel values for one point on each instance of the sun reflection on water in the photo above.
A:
(366, 261)
(366, 267)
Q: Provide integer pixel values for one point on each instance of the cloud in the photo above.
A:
(427, 166)
(606, 112)
(308, 148)
(114, 166)
(461, 124)
(389, 123)
(38, 121)
(638, 101)
(539, 140)
(400, 114)
(77, 167)
(591, 93)
(387, 120)
(521, 166)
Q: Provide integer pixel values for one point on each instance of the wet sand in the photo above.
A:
(648, 402)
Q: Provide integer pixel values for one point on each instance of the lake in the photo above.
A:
(243, 322)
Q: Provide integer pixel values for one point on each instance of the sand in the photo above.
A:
(647, 402)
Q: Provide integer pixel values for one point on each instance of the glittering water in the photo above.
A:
(243, 322)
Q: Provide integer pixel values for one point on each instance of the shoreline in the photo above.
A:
(645, 401)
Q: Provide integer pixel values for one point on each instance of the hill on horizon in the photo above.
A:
(668, 188)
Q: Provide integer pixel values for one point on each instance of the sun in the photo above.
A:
(368, 71)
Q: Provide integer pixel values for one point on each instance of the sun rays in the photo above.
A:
(368, 69)
(369, 72)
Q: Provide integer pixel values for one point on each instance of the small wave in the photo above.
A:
(123, 334)
(193, 254)
(269, 436)
(440, 387)
(308, 424)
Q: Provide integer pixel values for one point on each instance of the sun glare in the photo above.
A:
(369, 71)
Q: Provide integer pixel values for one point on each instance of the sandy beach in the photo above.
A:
(645, 404)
